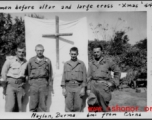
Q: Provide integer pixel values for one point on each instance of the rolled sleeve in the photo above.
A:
(5, 69)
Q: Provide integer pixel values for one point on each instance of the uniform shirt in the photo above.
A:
(14, 68)
(102, 70)
(40, 69)
(74, 71)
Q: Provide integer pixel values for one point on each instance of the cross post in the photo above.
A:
(57, 37)
(57, 41)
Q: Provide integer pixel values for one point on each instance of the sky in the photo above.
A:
(137, 21)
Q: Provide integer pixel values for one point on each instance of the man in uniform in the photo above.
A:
(40, 80)
(13, 72)
(74, 82)
(100, 82)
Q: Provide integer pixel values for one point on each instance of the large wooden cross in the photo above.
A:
(57, 37)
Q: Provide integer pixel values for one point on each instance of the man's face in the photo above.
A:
(97, 53)
(39, 51)
(20, 53)
(73, 55)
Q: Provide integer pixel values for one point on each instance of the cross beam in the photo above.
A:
(57, 37)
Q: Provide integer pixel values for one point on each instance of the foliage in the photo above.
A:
(35, 16)
(12, 33)
(118, 43)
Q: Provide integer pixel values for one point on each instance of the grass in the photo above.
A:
(128, 97)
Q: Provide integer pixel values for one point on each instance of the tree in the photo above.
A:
(6, 25)
(142, 44)
(11, 34)
(141, 47)
(136, 56)
(119, 43)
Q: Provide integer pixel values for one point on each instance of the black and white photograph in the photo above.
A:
(67, 62)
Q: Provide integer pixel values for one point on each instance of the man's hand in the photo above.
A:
(88, 92)
(82, 92)
(64, 92)
(4, 85)
(109, 84)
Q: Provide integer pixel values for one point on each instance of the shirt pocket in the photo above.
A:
(33, 67)
(15, 69)
(34, 71)
(46, 67)
(44, 70)
(68, 75)
(101, 72)
(79, 74)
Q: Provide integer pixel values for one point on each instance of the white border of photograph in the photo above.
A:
(116, 6)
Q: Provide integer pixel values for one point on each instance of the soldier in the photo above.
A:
(100, 80)
(40, 80)
(13, 72)
(74, 82)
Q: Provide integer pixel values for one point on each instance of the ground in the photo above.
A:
(129, 97)
(126, 97)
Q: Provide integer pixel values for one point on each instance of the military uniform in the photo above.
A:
(99, 73)
(40, 78)
(13, 72)
(74, 79)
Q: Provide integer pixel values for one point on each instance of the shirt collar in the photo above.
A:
(43, 59)
(97, 62)
(77, 62)
(17, 59)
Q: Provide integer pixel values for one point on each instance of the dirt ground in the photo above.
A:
(129, 97)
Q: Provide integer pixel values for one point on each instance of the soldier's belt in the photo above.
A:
(73, 81)
(16, 80)
(38, 77)
(100, 78)
(101, 81)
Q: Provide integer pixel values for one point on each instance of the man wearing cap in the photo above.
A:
(40, 79)
(100, 82)
(13, 73)
(74, 82)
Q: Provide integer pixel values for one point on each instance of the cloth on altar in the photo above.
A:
(35, 28)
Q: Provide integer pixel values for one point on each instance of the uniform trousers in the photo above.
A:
(39, 90)
(14, 95)
(101, 96)
(73, 99)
